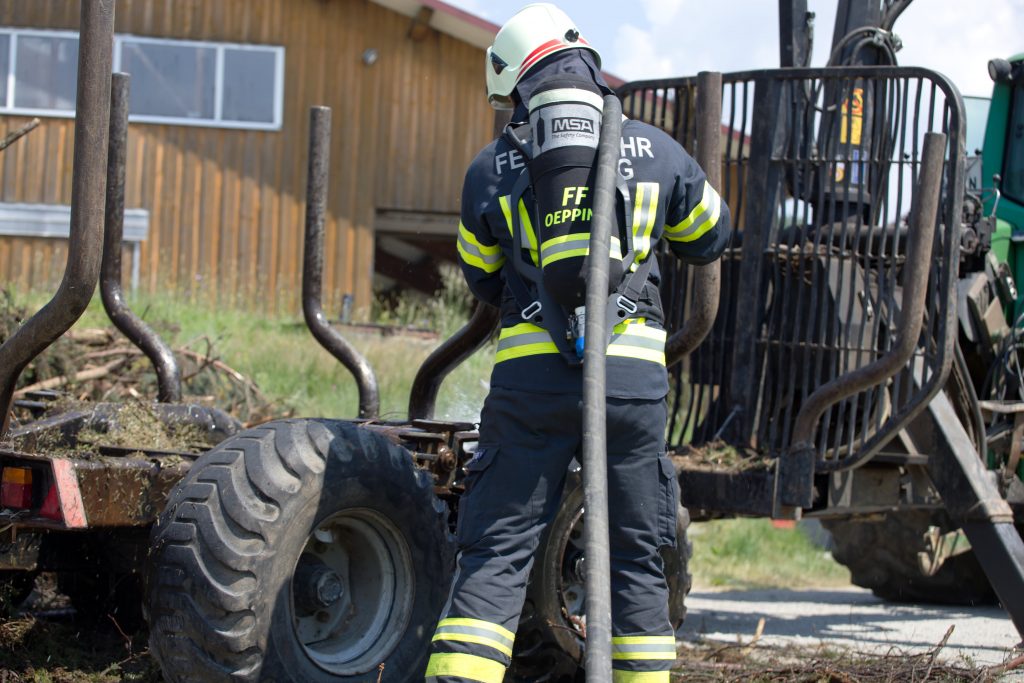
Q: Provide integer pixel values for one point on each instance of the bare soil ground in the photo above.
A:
(843, 634)
(811, 636)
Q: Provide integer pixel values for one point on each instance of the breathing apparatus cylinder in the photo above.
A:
(565, 115)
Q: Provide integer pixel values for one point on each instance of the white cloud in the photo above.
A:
(654, 38)
(662, 11)
(959, 43)
(637, 55)
(682, 37)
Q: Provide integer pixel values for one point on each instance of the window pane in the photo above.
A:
(249, 85)
(1013, 171)
(45, 73)
(170, 80)
(5, 65)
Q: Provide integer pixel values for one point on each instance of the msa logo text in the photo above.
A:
(572, 124)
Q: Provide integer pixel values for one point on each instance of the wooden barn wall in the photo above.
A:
(227, 206)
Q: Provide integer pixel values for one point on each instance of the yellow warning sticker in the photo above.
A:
(852, 122)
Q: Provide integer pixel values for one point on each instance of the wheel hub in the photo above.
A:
(572, 586)
(316, 586)
(352, 591)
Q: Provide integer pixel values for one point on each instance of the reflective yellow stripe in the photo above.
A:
(535, 341)
(531, 237)
(477, 623)
(706, 225)
(640, 676)
(702, 218)
(521, 328)
(630, 339)
(477, 262)
(634, 339)
(525, 350)
(644, 640)
(524, 218)
(644, 647)
(645, 213)
(484, 249)
(476, 640)
(470, 667)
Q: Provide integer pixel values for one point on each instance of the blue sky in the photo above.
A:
(656, 38)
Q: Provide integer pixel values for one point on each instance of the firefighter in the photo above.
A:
(523, 242)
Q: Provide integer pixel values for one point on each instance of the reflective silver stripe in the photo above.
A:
(523, 340)
(471, 248)
(646, 204)
(471, 631)
(582, 241)
(701, 222)
(622, 649)
(696, 224)
(627, 339)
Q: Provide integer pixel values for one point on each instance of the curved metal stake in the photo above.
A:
(88, 186)
(796, 467)
(313, 266)
(168, 375)
(707, 280)
(448, 356)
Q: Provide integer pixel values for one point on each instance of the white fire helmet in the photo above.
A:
(535, 32)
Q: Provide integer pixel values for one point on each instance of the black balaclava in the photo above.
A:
(577, 61)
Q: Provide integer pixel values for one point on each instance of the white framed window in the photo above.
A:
(178, 82)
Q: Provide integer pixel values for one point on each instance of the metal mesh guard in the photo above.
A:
(818, 171)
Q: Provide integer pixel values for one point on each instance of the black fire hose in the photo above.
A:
(595, 444)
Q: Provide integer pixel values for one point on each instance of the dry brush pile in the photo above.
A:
(100, 364)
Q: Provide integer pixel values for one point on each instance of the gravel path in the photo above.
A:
(852, 618)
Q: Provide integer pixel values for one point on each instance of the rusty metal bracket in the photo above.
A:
(1015, 408)
(939, 547)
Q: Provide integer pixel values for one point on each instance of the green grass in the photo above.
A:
(751, 553)
(299, 377)
(295, 373)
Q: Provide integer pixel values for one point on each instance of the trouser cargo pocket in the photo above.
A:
(471, 522)
(669, 501)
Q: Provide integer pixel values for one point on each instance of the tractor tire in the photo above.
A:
(882, 556)
(549, 644)
(301, 550)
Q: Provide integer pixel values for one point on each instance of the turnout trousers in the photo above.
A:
(513, 488)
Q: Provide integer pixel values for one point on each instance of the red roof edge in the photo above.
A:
(472, 19)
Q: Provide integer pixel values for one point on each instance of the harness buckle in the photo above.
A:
(531, 311)
(626, 304)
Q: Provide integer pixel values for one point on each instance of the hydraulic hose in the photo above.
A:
(595, 445)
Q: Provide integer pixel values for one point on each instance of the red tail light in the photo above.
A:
(16, 488)
(51, 506)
